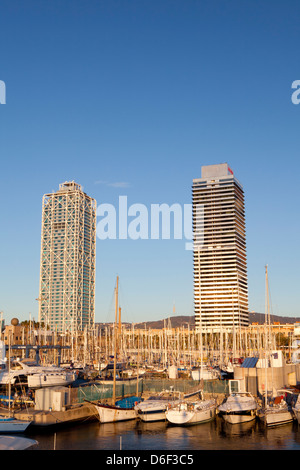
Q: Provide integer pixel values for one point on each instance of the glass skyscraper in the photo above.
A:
(68, 256)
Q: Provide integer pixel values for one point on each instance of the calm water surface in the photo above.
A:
(135, 435)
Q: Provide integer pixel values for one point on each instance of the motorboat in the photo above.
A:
(16, 443)
(28, 372)
(205, 373)
(51, 377)
(188, 413)
(238, 407)
(154, 408)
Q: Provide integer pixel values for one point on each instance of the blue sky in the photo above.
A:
(144, 93)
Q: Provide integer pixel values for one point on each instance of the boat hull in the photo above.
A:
(152, 410)
(13, 425)
(185, 417)
(206, 374)
(149, 415)
(275, 418)
(297, 414)
(112, 414)
(236, 418)
(50, 380)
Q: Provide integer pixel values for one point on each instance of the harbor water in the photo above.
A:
(160, 436)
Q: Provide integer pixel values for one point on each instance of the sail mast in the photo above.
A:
(115, 340)
(267, 340)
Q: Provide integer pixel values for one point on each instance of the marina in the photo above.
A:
(145, 399)
(235, 383)
(77, 425)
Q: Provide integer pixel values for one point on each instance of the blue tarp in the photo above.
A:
(128, 402)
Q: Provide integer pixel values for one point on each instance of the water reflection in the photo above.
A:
(128, 435)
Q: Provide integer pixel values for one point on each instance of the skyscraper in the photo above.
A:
(220, 265)
(68, 255)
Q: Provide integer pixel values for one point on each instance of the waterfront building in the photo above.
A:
(220, 265)
(68, 255)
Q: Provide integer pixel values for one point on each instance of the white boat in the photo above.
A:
(8, 423)
(123, 410)
(296, 409)
(28, 372)
(239, 407)
(16, 443)
(12, 425)
(114, 413)
(50, 377)
(187, 413)
(154, 408)
(133, 373)
(205, 373)
(276, 412)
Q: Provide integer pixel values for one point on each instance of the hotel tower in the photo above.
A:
(220, 265)
(68, 255)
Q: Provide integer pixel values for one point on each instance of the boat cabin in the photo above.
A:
(236, 386)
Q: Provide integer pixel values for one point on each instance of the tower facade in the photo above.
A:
(220, 264)
(68, 257)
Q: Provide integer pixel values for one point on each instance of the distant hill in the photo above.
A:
(182, 320)
(260, 318)
(174, 322)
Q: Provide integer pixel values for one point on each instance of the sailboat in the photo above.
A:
(296, 409)
(121, 410)
(204, 372)
(192, 412)
(275, 410)
(154, 408)
(9, 424)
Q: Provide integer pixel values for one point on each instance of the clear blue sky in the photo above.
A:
(144, 93)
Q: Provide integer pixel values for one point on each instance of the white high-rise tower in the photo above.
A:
(220, 265)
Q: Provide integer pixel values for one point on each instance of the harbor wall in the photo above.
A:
(258, 379)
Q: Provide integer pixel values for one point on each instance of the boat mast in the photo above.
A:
(9, 378)
(267, 333)
(115, 340)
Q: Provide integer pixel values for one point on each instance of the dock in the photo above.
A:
(73, 413)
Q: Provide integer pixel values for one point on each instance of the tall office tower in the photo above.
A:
(68, 255)
(220, 265)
